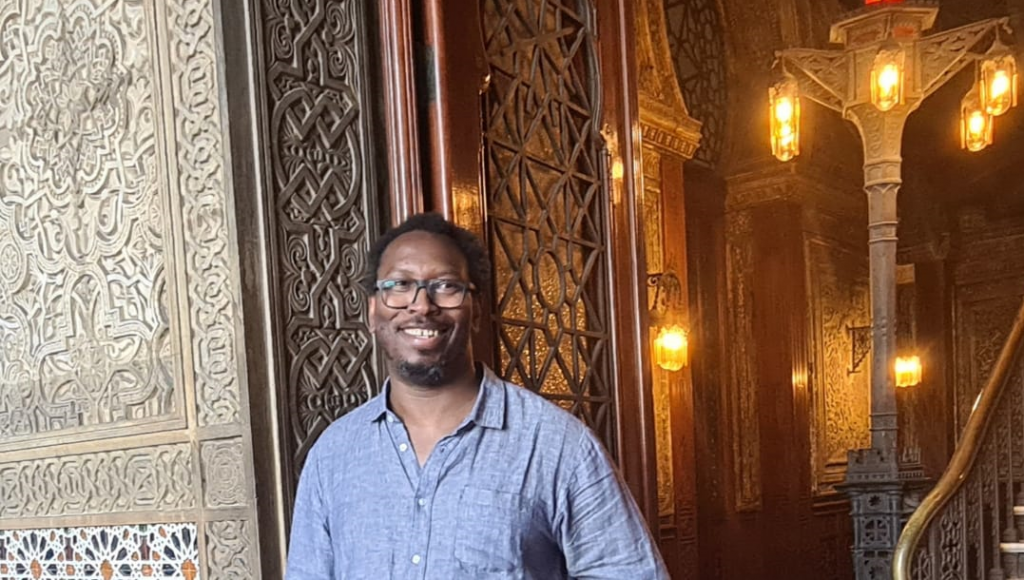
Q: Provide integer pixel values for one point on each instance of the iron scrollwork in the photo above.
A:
(860, 346)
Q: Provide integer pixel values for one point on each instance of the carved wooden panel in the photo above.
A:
(742, 396)
(982, 320)
(323, 195)
(989, 281)
(547, 201)
(838, 298)
(697, 43)
(85, 298)
(146, 479)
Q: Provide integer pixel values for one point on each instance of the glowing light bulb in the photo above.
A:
(888, 78)
(784, 110)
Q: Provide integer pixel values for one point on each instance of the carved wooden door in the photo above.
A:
(550, 186)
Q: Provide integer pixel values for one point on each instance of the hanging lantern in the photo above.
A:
(887, 77)
(998, 80)
(671, 348)
(975, 123)
(784, 110)
(908, 371)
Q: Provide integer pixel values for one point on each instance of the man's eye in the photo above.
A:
(399, 286)
(447, 287)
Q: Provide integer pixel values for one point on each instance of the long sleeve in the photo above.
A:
(602, 533)
(310, 555)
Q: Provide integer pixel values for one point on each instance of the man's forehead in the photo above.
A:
(411, 246)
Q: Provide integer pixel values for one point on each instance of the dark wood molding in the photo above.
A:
(621, 120)
(456, 74)
(241, 66)
(404, 173)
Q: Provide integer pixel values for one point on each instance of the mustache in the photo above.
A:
(422, 322)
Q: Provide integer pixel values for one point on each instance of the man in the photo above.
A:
(451, 472)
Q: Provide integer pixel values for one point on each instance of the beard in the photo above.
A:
(423, 375)
(428, 369)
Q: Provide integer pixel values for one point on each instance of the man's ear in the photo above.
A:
(371, 309)
(478, 313)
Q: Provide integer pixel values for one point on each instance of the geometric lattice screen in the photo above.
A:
(695, 40)
(547, 204)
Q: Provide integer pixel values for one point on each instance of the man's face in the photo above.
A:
(425, 345)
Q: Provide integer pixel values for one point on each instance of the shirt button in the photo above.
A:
(391, 418)
(416, 559)
(403, 447)
(422, 502)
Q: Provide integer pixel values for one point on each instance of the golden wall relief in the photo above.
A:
(742, 397)
(661, 383)
(838, 299)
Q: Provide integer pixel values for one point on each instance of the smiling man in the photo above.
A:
(451, 472)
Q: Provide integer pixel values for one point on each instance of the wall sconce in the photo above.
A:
(887, 77)
(784, 118)
(908, 371)
(998, 80)
(975, 123)
(671, 342)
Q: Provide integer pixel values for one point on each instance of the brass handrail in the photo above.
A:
(964, 455)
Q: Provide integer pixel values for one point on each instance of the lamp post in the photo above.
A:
(885, 68)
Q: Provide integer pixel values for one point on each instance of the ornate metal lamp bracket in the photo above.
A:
(860, 346)
(668, 292)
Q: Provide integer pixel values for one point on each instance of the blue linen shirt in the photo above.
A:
(521, 489)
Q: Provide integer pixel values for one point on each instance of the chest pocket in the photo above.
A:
(490, 534)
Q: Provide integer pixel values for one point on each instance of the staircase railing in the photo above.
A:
(965, 529)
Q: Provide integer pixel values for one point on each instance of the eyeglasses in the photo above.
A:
(399, 294)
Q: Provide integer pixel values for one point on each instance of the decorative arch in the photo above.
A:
(697, 47)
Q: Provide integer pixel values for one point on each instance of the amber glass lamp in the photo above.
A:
(998, 81)
(975, 123)
(887, 77)
(784, 110)
(671, 348)
(908, 371)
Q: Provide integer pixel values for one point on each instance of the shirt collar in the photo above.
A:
(488, 411)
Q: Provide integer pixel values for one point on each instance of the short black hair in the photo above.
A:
(477, 260)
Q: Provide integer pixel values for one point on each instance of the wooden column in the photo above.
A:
(669, 137)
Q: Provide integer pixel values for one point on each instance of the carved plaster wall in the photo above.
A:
(122, 404)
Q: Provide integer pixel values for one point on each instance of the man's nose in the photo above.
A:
(421, 301)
